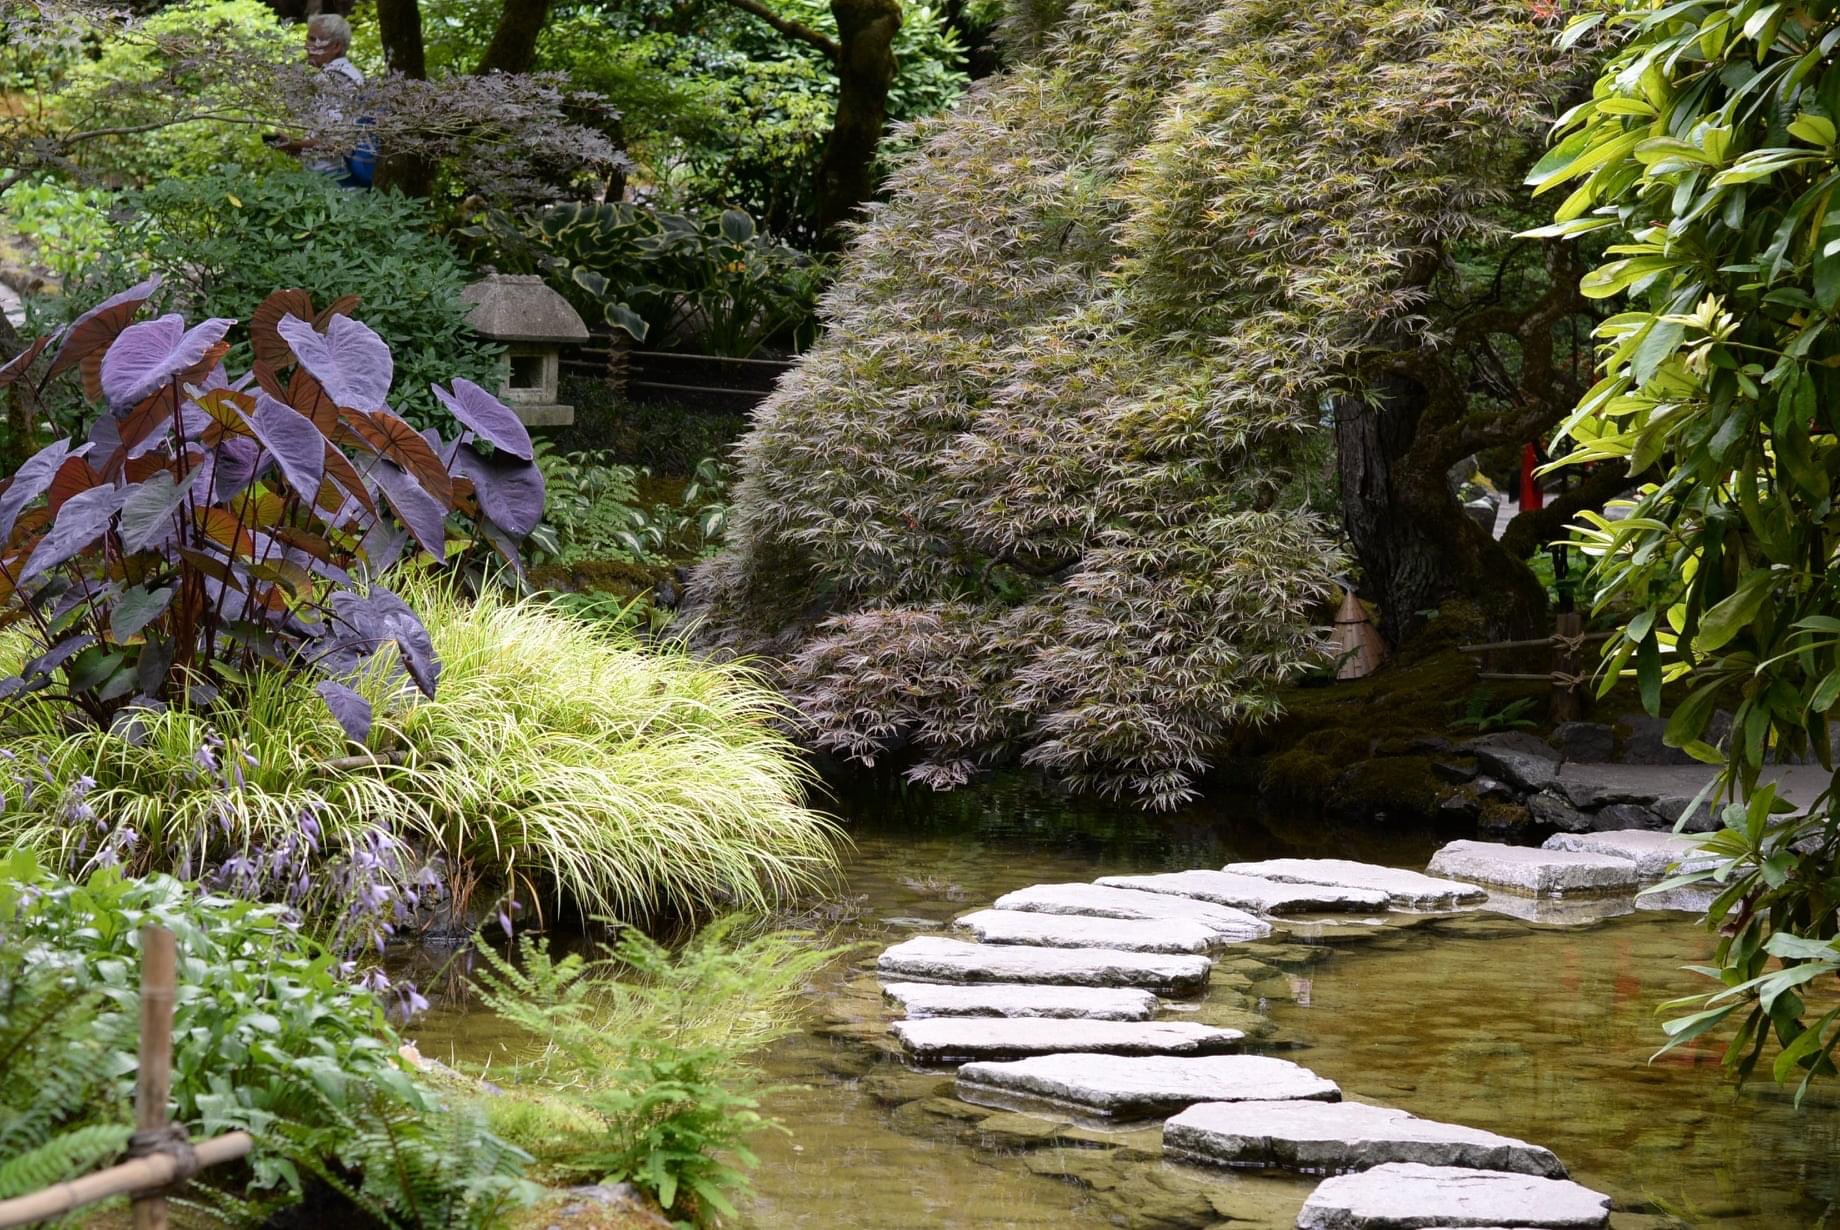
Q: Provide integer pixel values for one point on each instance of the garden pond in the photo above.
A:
(1538, 1032)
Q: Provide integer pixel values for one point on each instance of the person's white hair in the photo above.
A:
(332, 27)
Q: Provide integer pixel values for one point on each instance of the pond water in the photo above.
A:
(1541, 1033)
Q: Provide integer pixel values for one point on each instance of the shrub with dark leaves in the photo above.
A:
(211, 526)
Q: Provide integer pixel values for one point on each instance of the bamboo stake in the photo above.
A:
(140, 1174)
(159, 980)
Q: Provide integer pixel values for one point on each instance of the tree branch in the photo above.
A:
(792, 29)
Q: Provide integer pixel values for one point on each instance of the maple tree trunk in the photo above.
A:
(865, 70)
(513, 48)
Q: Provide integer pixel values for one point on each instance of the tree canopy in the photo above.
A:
(1049, 487)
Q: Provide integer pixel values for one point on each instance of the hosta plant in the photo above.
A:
(212, 526)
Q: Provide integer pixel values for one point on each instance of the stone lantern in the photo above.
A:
(532, 322)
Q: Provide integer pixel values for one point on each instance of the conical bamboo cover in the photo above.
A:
(1358, 646)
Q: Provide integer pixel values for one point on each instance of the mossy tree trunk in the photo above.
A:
(399, 27)
(865, 70)
(513, 48)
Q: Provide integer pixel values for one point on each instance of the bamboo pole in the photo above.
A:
(159, 982)
(142, 1173)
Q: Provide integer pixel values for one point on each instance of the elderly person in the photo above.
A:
(328, 39)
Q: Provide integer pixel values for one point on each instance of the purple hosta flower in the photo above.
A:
(206, 755)
(505, 912)
(240, 874)
(410, 1002)
(111, 852)
(309, 825)
(375, 981)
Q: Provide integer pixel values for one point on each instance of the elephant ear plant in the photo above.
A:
(210, 526)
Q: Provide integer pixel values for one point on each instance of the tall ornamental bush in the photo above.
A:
(1708, 153)
(1044, 491)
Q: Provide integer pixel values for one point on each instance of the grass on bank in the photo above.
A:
(559, 759)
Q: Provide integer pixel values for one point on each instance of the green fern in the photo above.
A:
(63, 1157)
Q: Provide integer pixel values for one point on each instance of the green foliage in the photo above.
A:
(67, 228)
(1707, 152)
(714, 283)
(594, 511)
(99, 93)
(228, 238)
(1481, 714)
(667, 438)
(267, 1038)
(644, 1050)
(1045, 470)
(560, 759)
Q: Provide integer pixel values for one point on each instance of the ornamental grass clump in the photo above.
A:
(1041, 492)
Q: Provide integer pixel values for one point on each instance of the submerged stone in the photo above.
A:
(928, 958)
(1572, 911)
(943, 1039)
(1100, 902)
(1082, 931)
(1542, 873)
(1338, 1136)
(1252, 892)
(1653, 853)
(1128, 1086)
(1409, 1196)
(1404, 889)
(930, 999)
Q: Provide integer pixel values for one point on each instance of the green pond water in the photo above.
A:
(1543, 1033)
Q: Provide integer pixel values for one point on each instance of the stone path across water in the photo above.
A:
(956, 1038)
(1073, 931)
(1652, 853)
(1330, 1137)
(997, 999)
(1067, 975)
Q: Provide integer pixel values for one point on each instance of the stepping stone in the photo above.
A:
(1652, 853)
(976, 1037)
(1079, 931)
(1542, 873)
(1252, 892)
(1097, 902)
(930, 999)
(1330, 1137)
(1407, 1196)
(1407, 890)
(931, 958)
(1121, 1087)
(1572, 911)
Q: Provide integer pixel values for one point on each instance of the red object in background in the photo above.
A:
(1531, 497)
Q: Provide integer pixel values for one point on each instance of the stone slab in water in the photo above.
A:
(1127, 1086)
(1337, 1136)
(1652, 852)
(1099, 902)
(1573, 911)
(1252, 892)
(1542, 873)
(930, 999)
(1406, 889)
(929, 958)
(1408, 1196)
(942, 1039)
(1081, 931)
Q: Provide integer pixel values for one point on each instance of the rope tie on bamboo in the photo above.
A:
(1570, 644)
(170, 1140)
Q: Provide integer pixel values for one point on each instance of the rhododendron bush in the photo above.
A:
(210, 526)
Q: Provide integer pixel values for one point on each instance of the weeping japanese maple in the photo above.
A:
(210, 526)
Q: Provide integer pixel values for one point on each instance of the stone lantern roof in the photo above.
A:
(516, 307)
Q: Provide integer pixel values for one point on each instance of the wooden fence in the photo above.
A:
(159, 1155)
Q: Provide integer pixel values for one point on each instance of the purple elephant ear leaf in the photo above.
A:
(425, 516)
(510, 492)
(147, 513)
(153, 352)
(57, 655)
(399, 622)
(17, 365)
(294, 442)
(30, 481)
(350, 361)
(83, 519)
(351, 710)
(98, 327)
(488, 417)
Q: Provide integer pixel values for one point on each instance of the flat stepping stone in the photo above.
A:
(1123, 1087)
(1000, 999)
(1330, 1137)
(932, 958)
(1408, 890)
(1541, 873)
(1096, 901)
(1253, 892)
(942, 1039)
(1080, 931)
(1653, 853)
(1572, 911)
(1407, 1196)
